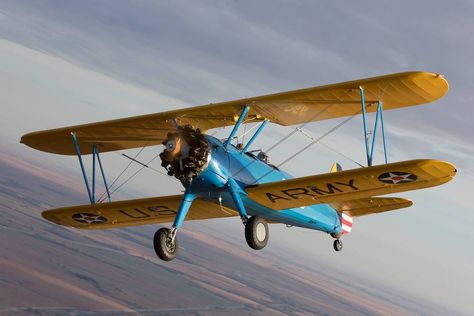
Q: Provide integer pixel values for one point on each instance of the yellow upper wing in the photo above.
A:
(353, 184)
(287, 108)
(133, 213)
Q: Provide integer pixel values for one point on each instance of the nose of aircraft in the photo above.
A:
(172, 149)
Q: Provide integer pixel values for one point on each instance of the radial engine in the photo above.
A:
(186, 154)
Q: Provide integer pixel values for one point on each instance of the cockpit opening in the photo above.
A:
(263, 157)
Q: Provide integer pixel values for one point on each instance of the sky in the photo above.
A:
(70, 62)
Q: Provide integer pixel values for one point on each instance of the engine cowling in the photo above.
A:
(186, 153)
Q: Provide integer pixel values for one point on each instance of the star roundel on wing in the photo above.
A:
(88, 218)
(396, 177)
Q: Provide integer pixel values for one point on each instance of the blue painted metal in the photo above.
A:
(372, 147)
(259, 130)
(102, 172)
(380, 108)
(379, 114)
(78, 152)
(186, 202)
(236, 126)
(235, 191)
(364, 120)
(93, 173)
(217, 181)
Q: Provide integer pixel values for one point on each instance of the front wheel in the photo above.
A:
(166, 248)
(256, 232)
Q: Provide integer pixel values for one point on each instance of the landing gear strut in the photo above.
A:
(256, 232)
(166, 244)
(256, 227)
(337, 245)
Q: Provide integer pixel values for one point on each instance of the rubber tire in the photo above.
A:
(337, 245)
(162, 250)
(253, 223)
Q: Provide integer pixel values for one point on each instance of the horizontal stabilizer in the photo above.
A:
(353, 184)
(133, 213)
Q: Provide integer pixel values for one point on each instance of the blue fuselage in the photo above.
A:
(247, 170)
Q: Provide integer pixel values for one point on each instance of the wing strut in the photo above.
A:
(95, 154)
(369, 150)
(259, 130)
(235, 190)
(237, 125)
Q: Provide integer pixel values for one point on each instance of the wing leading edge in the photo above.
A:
(286, 108)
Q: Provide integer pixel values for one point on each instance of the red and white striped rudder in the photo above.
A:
(346, 223)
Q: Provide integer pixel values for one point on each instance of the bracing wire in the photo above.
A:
(285, 137)
(305, 133)
(122, 172)
(316, 140)
(342, 154)
(297, 129)
(243, 135)
(307, 146)
(144, 165)
(247, 131)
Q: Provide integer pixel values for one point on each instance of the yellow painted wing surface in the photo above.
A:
(286, 108)
(353, 184)
(361, 207)
(133, 213)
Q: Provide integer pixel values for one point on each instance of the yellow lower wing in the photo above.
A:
(133, 213)
(361, 207)
(353, 184)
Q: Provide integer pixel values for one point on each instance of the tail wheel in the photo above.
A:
(256, 232)
(337, 245)
(166, 248)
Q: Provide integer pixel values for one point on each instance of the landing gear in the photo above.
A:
(165, 244)
(256, 227)
(256, 232)
(337, 245)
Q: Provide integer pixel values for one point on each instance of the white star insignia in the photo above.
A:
(396, 178)
(89, 218)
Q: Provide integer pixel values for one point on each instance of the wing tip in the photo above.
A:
(433, 83)
(445, 166)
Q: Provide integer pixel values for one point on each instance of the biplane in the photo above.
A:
(223, 178)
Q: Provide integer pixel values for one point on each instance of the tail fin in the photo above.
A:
(346, 223)
(336, 167)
